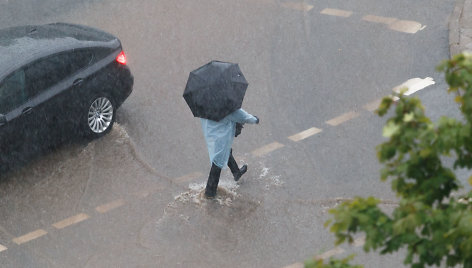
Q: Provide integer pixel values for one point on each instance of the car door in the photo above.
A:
(42, 77)
(70, 100)
(49, 83)
(13, 106)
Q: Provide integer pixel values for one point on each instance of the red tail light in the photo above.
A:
(121, 58)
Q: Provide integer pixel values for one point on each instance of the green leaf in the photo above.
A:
(425, 152)
(390, 129)
(408, 117)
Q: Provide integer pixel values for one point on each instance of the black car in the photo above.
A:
(57, 79)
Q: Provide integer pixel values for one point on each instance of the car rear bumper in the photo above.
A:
(125, 83)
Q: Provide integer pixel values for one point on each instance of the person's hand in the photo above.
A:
(257, 119)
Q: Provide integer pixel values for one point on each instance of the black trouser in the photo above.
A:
(215, 172)
(233, 166)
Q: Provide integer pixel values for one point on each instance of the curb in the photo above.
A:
(460, 27)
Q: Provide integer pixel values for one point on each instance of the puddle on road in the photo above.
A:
(230, 204)
(234, 202)
(212, 224)
(227, 188)
(225, 195)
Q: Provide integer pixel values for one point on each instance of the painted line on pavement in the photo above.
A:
(305, 134)
(71, 221)
(373, 105)
(342, 118)
(267, 149)
(406, 26)
(330, 253)
(188, 177)
(3, 248)
(29, 236)
(336, 12)
(110, 206)
(298, 6)
(414, 85)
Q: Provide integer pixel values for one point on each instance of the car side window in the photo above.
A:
(12, 91)
(49, 71)
(44, 73)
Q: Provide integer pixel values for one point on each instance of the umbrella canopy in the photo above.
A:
(215, 90)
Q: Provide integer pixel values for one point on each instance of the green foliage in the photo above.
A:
(433, 226)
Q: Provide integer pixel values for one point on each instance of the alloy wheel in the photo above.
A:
(100, 115)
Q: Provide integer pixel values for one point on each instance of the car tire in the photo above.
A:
(99, 116)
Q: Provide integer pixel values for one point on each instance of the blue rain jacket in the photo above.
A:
(219, 135)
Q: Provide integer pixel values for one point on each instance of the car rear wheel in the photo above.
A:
(100, 116)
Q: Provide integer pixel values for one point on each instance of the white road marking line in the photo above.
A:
(330, 253)
(267, 149)
(29, 236)
(188, 177)
(336, 12)
(373, 105)
(406, 26)
(379, 19)
(3, 248)
(298, 6)
(305, 134)
(71, 220)
(110, 206)
(414, 84)
(295, 265)
(359, 242)
(342, 118)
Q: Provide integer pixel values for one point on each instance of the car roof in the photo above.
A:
(22, 44)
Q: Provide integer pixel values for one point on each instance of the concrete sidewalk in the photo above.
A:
(460, 27)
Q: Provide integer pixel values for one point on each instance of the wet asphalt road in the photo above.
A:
(132, 198)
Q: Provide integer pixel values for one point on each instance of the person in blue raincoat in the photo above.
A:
(219, 139)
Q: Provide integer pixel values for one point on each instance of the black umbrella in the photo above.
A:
(215, 90)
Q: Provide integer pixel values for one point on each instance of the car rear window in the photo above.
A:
(101, 52)
(79, 59)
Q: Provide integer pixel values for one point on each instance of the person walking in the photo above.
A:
(219, 136)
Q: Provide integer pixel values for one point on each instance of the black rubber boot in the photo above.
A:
(239, 173)
(212, 183)
(233, 166)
